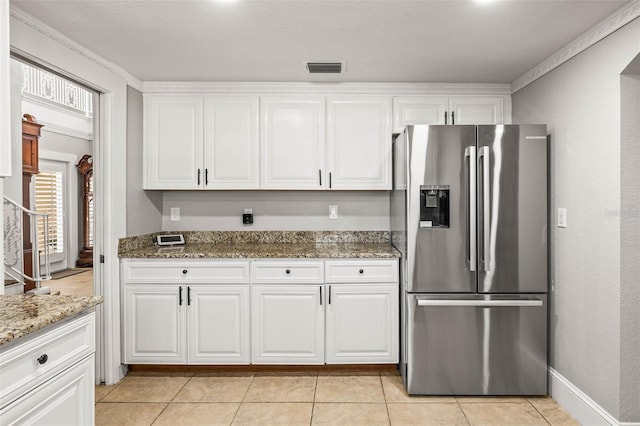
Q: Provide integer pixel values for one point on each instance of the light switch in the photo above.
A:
(175, 214)
(562, 218)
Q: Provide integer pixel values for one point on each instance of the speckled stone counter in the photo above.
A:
(22, 315)
(268, 244)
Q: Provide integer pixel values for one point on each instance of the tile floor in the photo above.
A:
(76, 285)
(370, 398)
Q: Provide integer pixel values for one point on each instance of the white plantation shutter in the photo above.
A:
(48, 197)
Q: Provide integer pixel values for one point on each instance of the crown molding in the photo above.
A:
(57, 37)
(616, 21)
(326, 88)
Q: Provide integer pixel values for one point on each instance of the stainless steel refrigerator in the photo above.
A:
(469, 215)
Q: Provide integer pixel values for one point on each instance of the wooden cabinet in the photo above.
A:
(200, 142)
(292, 138)
(359, 142)
(49, 379)
(186, 312)
(447, 110)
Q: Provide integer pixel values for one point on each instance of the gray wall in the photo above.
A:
(144, 208)
(277, 210)
(52, 141)
(580, 102)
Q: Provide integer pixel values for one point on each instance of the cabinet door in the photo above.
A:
(359, 142)
(362, 323)
(173, 139)
(231, 142)
(292, 134)
(155, 324)
(218, 324)
(67, 399)
(476, 110)
(287, 324)
(418, 110)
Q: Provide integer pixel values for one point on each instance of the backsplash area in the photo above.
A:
(276, 210)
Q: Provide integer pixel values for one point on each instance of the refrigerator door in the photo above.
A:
(512, 209)
(477, 344)
(441, 247)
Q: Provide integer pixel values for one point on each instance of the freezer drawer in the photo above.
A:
(476, 344)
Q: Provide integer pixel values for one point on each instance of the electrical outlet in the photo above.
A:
(562, 218)
(175, 214)
(247, 217)
(333, 211)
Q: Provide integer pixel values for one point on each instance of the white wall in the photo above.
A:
(277, 210)
(144, 208)
(580, 103)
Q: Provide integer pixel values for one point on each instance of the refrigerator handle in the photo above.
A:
(470, 158)
(486, 208)
(480, 303)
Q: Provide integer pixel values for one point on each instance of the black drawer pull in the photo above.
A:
(184, 271)
(361, 271)
(43, 358)
(288, 271)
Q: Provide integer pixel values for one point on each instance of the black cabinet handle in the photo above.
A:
(206, 176)
(329, 294)
(445, 117)
(329, 179)
(361, 271)
(43, 358)
(188, 295)
(184, 271)
(320, 176)
(180, 296)
(453, 117)
(198, 177)
(320, 295)
(288, 271)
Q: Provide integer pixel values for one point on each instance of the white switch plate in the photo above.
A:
(333, 211)
(175, 214)
(562, 218)
(248, 211)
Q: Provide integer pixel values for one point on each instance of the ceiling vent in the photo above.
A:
(326, 67)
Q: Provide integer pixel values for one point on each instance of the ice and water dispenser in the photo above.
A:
(434, 206)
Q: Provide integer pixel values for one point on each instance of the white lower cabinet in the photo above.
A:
(50, 379)
(287, 324)
(362, 323)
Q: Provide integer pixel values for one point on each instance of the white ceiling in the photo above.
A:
(412, 41)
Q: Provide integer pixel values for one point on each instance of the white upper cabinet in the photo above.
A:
(292, 134)
(447, 110)
(201, 142)
(476, 110)
(359, 142)
(173, 141)
(231, 142)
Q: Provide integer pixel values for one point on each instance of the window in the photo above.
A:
(49, 196)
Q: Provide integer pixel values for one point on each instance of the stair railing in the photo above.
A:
(14, 216)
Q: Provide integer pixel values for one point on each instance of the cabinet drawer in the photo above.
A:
(369, 271)
(187, 271)
(21, 368)
(288, 272)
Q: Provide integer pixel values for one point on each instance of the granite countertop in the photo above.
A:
(21, 315)
(267, 250)
(264, 244)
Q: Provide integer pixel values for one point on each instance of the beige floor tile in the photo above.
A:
(102, 391)
(493, 399)
(349, 389)
(347, 414)
(281, 389)
(505, 413)
(75, 285)
(552, 412)
(160, 374)
(146, 389)
(187, 414)
(122, 414)
(433, 413)
(214, 389)
(354, 372)
(390, 372)
(394, 391)
(279, 413)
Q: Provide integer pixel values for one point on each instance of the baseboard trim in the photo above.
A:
(578, 404)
